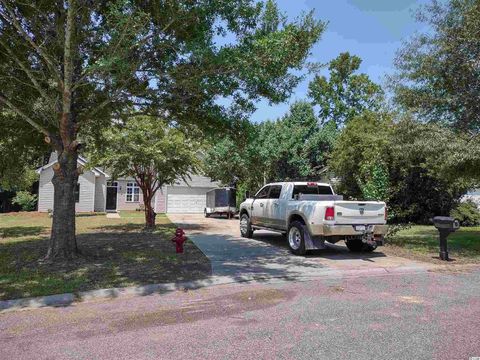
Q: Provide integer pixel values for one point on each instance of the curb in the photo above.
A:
(67, 299)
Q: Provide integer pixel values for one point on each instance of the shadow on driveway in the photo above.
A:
(267, 255)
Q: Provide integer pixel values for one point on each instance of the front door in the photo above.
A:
(111, 197)
(275, 208)
(258, 206)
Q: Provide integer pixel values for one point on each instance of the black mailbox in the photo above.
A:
(445, 225)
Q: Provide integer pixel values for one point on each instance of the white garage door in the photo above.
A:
(186, 203)
(184, 200)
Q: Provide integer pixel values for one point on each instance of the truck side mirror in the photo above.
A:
(247, 194)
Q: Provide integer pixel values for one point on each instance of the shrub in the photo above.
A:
(466, 213)
(26, 200)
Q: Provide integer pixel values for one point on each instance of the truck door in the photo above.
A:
(258, 206)
(274, 212)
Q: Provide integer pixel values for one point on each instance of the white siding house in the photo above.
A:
(98, 195)
(92, 188)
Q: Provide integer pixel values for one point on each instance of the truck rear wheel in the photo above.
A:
(296, 238)
(245, 226)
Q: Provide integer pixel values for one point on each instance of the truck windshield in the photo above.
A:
(311, 190)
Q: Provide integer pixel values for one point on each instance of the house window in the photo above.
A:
(76, 192)
(133, 192)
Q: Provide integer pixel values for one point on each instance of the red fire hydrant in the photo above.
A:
(179, 239)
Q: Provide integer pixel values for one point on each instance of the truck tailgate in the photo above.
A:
(359, 212)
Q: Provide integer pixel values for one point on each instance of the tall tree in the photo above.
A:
(293, 145)
(149, 151)
(403, 162)
(230, 159)
(67, 68)
(344, 94)
(438, 75)
(362, 143)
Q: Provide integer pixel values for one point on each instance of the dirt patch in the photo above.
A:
(227, 305)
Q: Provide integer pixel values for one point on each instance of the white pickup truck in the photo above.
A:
(310, 213)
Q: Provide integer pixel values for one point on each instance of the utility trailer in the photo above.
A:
(221, 201)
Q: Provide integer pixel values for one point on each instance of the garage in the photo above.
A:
(186, 200)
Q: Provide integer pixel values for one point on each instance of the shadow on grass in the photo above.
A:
(113, 258)
(21, 231)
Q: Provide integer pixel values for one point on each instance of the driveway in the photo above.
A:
(267, 256)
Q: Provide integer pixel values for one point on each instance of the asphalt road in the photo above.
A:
(427, 315)
(357, 307)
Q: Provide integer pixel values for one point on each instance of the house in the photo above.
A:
(97, 192)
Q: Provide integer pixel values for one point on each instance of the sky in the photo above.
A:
(370, 29)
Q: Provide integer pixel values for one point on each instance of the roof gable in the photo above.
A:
(80, 160)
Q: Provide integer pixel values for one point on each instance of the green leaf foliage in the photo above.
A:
(294, 147)
(467, 213)
(438, 70)
(19, 155)
(362, 144)
(402, 162)
(145, 145)
(172, 60)
(26, 200)
(344, 94)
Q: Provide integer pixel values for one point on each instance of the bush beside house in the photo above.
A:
(25, 200)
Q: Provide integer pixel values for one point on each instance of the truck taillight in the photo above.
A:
(386, 213)
(330, 213)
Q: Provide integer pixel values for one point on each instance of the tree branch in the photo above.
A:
(23, 115)
(12, 19)
(27, 72)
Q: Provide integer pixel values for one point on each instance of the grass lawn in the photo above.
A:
(422, 242)
(115, 253)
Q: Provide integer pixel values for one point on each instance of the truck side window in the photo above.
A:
(263, 193)
(275, 191)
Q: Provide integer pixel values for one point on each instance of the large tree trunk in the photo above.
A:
(63, 244)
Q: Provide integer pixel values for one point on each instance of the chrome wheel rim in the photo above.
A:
(244, 224)
(294, 238)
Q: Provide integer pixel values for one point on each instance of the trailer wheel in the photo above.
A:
(206, 213)
(296, 238)
(245, 226)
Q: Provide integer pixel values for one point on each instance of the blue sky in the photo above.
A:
(371, 29)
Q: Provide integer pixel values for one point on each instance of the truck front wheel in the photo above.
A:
(245, 226)
(296, 238)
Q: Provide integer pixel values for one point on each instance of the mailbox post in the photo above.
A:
(445, 225)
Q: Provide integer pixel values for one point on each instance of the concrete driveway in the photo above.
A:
(267, 256)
